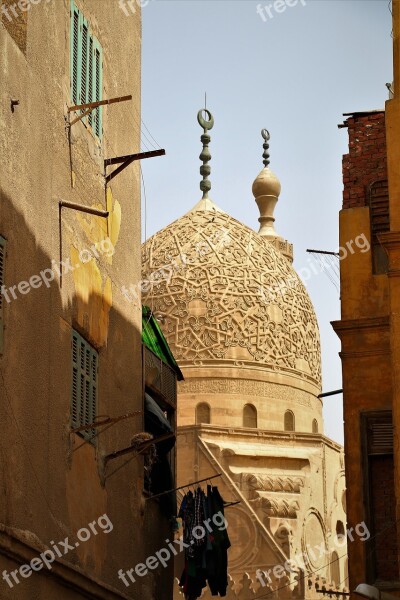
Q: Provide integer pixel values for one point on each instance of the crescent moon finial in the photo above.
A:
(205, 156)
(266, 136)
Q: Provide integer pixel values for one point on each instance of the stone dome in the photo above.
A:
(266, 184)
(226, 298)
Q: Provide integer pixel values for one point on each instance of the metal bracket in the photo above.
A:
(92, 105)
(85, 209)
(138, 448)
(127, 160)
(105, 421)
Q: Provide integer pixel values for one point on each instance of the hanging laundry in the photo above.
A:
(206, 536)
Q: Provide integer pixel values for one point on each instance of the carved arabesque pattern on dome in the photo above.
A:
(229, 296)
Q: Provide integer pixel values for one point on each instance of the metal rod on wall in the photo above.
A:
(183, 486)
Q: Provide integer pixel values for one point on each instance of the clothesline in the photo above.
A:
(184, 486)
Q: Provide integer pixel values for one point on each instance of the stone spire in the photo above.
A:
(266, 190)
(205, 156)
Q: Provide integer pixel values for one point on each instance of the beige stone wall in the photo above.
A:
(51, 485)
(227, 398)
(290, 487)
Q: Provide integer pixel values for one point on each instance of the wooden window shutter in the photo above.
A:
(2, 282)
(380, 223)
(84, 384)
(97, 84)
(86, 70)
(76, 383)
(76, 53)
(380, 435)
(84, 82)
(90, 77)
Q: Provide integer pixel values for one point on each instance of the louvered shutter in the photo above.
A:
(93, 389)
(84, 79)
(86, 68)
(76, 54)
(97, 87)
(2, 282)
(84, 384)
(380, 223)
(380, 435)
(90, 78)
(76, 383)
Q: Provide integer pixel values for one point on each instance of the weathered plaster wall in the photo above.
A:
(51, 485)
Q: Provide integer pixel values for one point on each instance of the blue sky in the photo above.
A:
(295, 74)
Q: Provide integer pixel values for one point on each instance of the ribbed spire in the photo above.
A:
(205, 156)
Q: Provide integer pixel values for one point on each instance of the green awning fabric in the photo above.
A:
(153, 338)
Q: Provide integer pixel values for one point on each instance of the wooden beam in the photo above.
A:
(138, 156)
(82, 116)
(138, 447)
(128, 160)
(93, 105)
(105, 421)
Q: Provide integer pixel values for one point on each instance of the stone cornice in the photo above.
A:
(362, 353)
(361, 323)
(19, 548)
(262, 435)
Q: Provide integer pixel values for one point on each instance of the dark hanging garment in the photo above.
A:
(193, 578)
(206, 557)
(217, 557)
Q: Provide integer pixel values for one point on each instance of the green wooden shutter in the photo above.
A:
(84, 82)
(86, 69)
(93, 389)
(97, 84)
(76, 383)
(90, 78)
(76, 53)
(2, 282)
(84, 384)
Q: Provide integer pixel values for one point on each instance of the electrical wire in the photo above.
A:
(155, 141)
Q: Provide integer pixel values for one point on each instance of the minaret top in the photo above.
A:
(266, 190)
(205, 156)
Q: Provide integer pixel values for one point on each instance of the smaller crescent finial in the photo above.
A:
(205, 156)
(266, 136)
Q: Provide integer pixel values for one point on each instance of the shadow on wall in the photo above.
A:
(50, 483)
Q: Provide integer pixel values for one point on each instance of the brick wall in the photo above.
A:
(366, 161)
